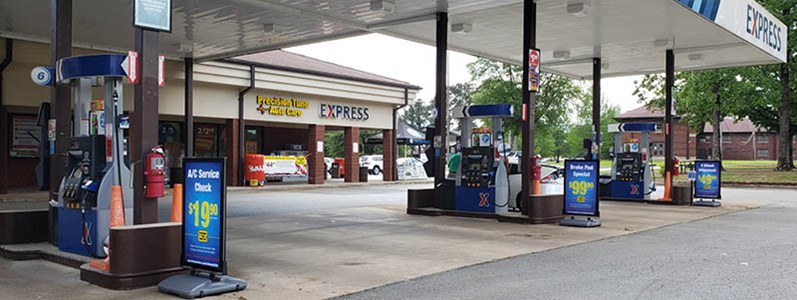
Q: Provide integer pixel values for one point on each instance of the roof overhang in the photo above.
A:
(630, 36)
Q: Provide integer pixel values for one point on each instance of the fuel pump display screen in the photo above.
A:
(204, 209)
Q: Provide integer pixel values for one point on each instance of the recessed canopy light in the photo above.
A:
(383, 5)
(461, 28)
(661, 43)
(561, 54)
(696, 56)
(579, 8)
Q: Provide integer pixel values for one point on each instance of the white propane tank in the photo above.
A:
(501, 190)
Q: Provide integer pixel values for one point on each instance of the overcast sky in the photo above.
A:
(415, 63)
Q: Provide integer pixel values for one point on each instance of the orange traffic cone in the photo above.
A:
(177, 203)
(535, 187)
(667, 188)
(117, 220)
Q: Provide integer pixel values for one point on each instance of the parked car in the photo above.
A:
(373, 163)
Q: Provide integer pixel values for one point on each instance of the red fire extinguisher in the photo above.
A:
(155, 172)
(537, 163)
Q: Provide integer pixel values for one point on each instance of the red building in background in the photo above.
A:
(741, 140)
(683, 138)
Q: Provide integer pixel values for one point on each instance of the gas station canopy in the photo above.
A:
(630, 36)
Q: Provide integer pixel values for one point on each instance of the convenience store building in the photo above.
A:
(292, 102)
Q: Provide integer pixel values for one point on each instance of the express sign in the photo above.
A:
(335, 111)
(746, 19)
(761, 26)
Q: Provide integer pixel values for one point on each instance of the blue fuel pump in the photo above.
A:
(481, 181)
(631, 175)
(96, 160)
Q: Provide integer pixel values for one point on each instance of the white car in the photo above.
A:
(328, 161)
(373, 163)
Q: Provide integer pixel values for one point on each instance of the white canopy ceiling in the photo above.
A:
(630, 36)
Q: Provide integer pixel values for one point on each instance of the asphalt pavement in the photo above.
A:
(744, 255)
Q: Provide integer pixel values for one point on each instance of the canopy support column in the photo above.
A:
(441, 106)
(529, 101)
(189, 107)
(60, 95)
(668, 101)
(145, 123)
(242, 128)
(596, 107)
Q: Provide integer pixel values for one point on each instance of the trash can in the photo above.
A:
(254, 174)
(363, 174)
(335, 170)
(341, 166)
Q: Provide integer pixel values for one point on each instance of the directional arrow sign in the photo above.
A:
(130, 66)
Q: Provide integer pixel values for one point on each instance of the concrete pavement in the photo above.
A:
(327, 242)
(744, 255)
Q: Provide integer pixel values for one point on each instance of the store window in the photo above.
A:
(727, 139)
(24, 134)
(657, 149)
(170, 135)
(254, 140)
(763, 153)
(208, 140)
(762, 138)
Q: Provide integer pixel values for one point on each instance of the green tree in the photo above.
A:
(699, 98)
(333, 143)
(460, 94)
(501, 83)
(582, 127)
(709, 96)
(781, 108)
(417, 114)
(763, 93)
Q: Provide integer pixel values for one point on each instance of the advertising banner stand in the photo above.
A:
(708, 183)
(581, 194)
(204, 233)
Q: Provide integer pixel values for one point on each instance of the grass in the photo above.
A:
(747, 171)
(737, 171)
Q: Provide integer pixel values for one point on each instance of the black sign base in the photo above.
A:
(200, 285)
(580, 221)
(712, 203)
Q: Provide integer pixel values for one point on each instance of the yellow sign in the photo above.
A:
(281, 107)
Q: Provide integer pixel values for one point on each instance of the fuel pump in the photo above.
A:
(96, 160)
(481, 181)
(631, 177)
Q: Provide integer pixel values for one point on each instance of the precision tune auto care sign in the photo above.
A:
(746, 19)
(581, 187)
(707, 185)
(204, 213)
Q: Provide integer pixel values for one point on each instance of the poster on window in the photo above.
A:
(205, 140)
(285, 166)
(24, 136)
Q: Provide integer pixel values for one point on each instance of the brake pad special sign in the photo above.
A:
(202, 214)
(581, 193)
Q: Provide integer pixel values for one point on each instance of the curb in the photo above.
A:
(305, 186)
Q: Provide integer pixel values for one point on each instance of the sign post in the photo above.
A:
(708, 183)
(581, 194)
(204, 233)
